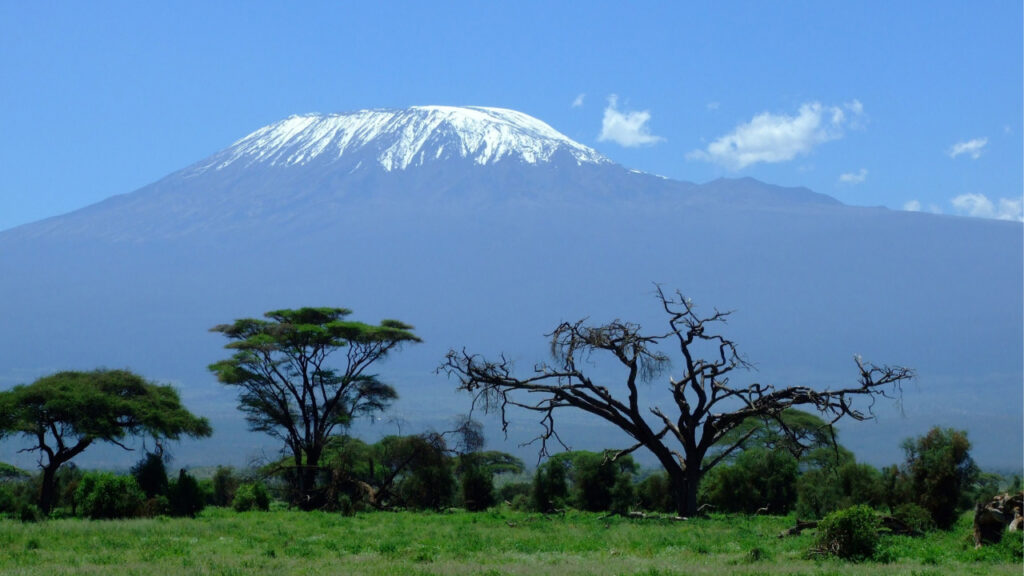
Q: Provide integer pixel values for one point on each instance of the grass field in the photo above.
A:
(287, 542)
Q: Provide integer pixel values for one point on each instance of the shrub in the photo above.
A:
(550, 487)
(151, 475)
(185, 497)
(477, 488)
(655, 493)
(251, 496)
(850, 534)
(759, 479)
(825, 490)
(914, 517)
(103, 495)
(224, 485)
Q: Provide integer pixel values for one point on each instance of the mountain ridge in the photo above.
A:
(491, 256)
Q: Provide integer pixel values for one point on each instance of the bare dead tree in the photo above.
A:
(707, 404)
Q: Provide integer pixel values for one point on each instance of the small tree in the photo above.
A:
(151, 475)
(707, 404)
(288, 389)
(938, 471)
(185, 496)
(65, 413)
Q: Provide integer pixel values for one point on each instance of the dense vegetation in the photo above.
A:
(438, 502)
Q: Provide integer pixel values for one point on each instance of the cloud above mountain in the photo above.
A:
(854, 177)
(972, 148)
(772, 138)
(981, 206)
(626, 128)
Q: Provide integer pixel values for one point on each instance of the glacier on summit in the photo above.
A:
(399, 139)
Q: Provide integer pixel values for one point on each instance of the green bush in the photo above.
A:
(477, 488)
(758, 479)
(251, 496)
(851, 534)
(102, 495)
(151, 475)
(821, 491)
(655, 493)
(914, 517)
(185, 496)
(225, 483)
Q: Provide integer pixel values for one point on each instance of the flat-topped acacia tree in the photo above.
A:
(288, 385)
(65, 413)
(707, 405)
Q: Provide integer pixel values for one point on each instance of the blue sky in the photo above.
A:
(909, 105)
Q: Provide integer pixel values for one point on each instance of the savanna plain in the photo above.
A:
(221, 541)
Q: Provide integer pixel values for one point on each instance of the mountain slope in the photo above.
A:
(490, 245)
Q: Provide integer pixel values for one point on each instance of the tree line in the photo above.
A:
(303, 376)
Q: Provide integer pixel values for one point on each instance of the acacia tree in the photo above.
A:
(63, 414)
(288, 387)
(707, 405)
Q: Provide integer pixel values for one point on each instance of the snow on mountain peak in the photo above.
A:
(401, 138)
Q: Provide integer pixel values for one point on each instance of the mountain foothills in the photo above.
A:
(485, 228)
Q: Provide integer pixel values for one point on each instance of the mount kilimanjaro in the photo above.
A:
(486, 227)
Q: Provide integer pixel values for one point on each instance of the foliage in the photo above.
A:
(63, 414)
(476, 484)
(428, 481)
(914, 516)
(184, 496)
(517, 495)
(851, 534)
(821, 491)
(224, 486)
(151, 475)
(251, 496)
(795, 431)
(938, 471)
(103, 495)
(586, 481)
(758, 480)
(289, 389)
(708, 406)
(654, 493)
(398, 471)
(12, 473)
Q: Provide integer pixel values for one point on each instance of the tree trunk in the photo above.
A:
(48, 490)
(308, 472)
(684, 486)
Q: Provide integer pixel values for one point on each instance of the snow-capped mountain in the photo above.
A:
(398, 139)
(484, 228)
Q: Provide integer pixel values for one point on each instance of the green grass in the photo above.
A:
(222, 542)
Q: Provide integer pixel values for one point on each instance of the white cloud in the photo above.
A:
(713, 105)
(973, 148)
(578, 102)
(854, 177)
(626, 128)
(915, 206)
(980, 206)
(779, 138)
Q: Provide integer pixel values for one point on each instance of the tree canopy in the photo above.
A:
(708, 406)
(63, 414)
(288, 385)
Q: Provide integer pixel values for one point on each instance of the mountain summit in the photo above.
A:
(398, 139)
(484, 228)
